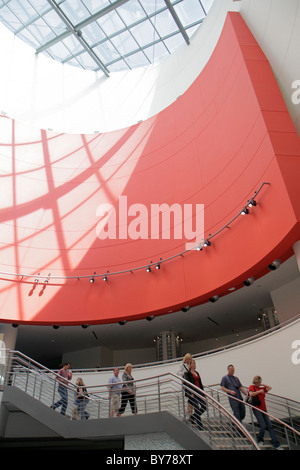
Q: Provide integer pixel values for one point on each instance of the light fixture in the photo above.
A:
(84, 326)
(150, 318)
(214, 298)
(252, 202)
(244, 211)
(123, 322)
(55, 327)
(274, 265)
(15, 325)
(185, 309)
(249, 281)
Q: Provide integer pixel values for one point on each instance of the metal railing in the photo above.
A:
(283, 412)
(166, 392)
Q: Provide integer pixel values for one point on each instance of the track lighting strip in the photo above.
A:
(147, 267)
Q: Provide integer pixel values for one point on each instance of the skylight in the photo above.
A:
(106, 35)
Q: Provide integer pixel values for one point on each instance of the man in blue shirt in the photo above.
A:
(233, 387)
(115, 388)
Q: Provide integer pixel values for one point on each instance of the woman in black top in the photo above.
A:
(198, 403)
(81, 398)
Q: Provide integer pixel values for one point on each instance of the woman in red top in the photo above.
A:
(196, 402)
(259, 390)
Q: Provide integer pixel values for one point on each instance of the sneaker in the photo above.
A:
(260, 443)
(279, 448)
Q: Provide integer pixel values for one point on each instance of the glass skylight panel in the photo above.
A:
(74, 10)
(173, 42)
(8, 17)
(124, 42)
(191, 30)
(23, 10)
(95, 5)
(152, 6)
(54, 22)
(107, 52)
(144, 33)
(156, 51)
(207, 4)
(118, 66)
(94, 33)
(164, 23)
(59, 51)
(85, 61)
(111, 23)
(139, 59)
(131, 12)
(104, 34)
(29, 37)
(72, 45)
(40, 5)
(37, 34)
(188, 11)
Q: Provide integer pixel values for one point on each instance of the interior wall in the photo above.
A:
(276, 27)
(104, 357)
(286, 299)
(56, 183)
(275, 357)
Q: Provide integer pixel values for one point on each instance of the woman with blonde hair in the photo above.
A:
(185, 365)
(183, 369)
(259, 390)
(128, 390)
(81, 398)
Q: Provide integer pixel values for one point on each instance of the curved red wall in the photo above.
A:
(216, 145)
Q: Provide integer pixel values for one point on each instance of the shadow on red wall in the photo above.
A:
(77, 206)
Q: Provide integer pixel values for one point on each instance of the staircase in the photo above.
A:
(30, 389)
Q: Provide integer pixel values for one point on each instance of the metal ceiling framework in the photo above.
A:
(122, 34)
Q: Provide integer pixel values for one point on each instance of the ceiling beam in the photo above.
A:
(71, 29)
(177, 21)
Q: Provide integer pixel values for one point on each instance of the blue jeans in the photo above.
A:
(265, 423)
(238, 408)
(81, 404)
(63, 402)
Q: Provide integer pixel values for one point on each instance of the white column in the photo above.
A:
(8, 336)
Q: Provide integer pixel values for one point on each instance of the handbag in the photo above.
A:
(254, 401)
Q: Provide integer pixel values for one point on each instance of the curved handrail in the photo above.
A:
(30, 377)
(147, 383)
(219, 407)
(252, 407)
